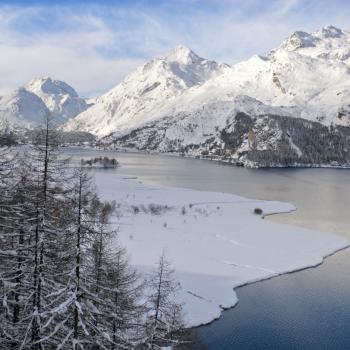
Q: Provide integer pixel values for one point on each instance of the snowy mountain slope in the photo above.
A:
(310, 82)
(303, 78)
(60, 98)
(308, 76)
(146, 93)
(266, 140)
(328, 43)
(26, 107)
(195, 128)
(21, 110)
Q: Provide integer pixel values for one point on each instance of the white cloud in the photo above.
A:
(284, 6)
(88, 73)
(72, 56)
(93, 48)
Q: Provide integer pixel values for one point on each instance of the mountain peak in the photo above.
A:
(50, 86)
(299, 39)
(59, 97)
(183, 55)
(40, 81)
(331, 32)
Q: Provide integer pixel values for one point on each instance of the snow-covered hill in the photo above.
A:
(27, 107)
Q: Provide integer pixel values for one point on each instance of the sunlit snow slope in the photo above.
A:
(147, 93)
(308, 76)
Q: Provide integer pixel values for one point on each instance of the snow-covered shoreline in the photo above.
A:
(212, 159)
(214, 240)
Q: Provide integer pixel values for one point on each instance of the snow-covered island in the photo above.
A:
(215, 241)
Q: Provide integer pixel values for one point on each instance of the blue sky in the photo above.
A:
(92, 45)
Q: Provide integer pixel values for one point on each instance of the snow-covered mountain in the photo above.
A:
(28, 106)
(61, 99)
(307, 76)
(186, 104)
(146, 94)
(21, 110)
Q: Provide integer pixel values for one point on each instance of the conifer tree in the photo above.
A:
(11, 252)
(38, 198)
(65, 281)
(165, 313)
(123, 293)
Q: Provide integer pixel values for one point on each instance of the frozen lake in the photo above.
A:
(305, 310)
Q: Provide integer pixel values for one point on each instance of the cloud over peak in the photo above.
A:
(93, 46)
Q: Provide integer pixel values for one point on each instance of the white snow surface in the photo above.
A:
(214, 240)
(308, 76)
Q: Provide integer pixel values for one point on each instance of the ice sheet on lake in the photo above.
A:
(214, 240)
